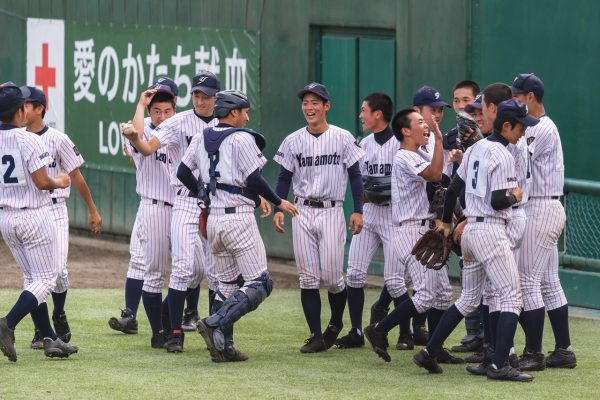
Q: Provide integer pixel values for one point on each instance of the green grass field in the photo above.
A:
(111, 365)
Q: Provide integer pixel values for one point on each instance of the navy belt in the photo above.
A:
(515, 207)
(190, 194)
(154, 201)
(555, 197)
(54, 201)
(229, 210)
(315, 203)
(423, 222)
(479, 219)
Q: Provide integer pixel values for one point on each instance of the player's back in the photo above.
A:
(547, 164)
(21, 154)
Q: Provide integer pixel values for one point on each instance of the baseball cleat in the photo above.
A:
(158, 340)
(330, 335)
(58, 348)
(230, 354)
(7, 341)
(561, 358)
(507, 373)
(61, 326)
(378, 341)
(313, 344)
(37, 343)
(424, 360)
(352, 340)
(189, 321)
(405, 342)
(174, 343)
(444, 357)
(531, 361)
(126, 324)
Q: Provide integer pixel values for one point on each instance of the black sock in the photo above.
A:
(26, 303)
(42, 321)
(192, 297)
(534, 328)
(384, 300)
(166, 320)
(153, 307)
(447, 323)
(494, 328)
(404, 311)
(176, 305)
(133, 294)
(59, 300)
(405, 323)
(433, 318)
(559, 319)
(337, 304)
(356, 302)
(419, 319)
(485, 319)
(522, 324)
(507, 325)
(211, 299)
(311, 304)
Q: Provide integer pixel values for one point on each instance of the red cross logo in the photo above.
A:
(44, 75)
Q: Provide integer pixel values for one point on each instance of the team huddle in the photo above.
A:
(491, 187)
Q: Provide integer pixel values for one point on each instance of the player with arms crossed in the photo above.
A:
(67, 159)
(230, 161)
(318, 160)
(488, 175)
(24, 223)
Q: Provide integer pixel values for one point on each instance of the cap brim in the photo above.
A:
(438, 104)
(515, 90)
(304, 91)
(472, 107)
(528, 120)
(205, 89)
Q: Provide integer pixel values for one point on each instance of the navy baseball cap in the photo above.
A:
(35, 95)
(206, 82)
(314, 88)
(428, 96)
(475, 105)
(165, 85)
(525, 83)
(514, 109)
(11, 95)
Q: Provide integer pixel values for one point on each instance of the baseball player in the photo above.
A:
(539, 253)
(230, 161)
(67, 159)
(175, 134)
(376, 168)
(487, 173)
(24, 223)
(411, 218)
(318, 159)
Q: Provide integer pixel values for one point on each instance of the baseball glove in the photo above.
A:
(437, 202)
(468, 130)
(202, 222)
(433, 249)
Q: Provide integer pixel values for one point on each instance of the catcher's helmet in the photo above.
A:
(378, 189)
(228, 100)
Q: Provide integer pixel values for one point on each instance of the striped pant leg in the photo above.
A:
(61, 218)
(332, 238)
(184, 238)
(306, 248)
(362, 250)
(552, 291)
(473, 273)
(209, 265)
(156, 222)
(424, 280)
(137, 263)
(546, 220)
(394, 271)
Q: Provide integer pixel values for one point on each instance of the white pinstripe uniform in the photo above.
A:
(234, 238)
(320, 173)
(377, 228)
(486, 167)
(24, 210)
(136, 266)
(546, 219)
(153, 220)
(410, 217)
(515, 227)
(188, 264)
(66, 158)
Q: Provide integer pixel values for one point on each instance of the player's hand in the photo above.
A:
(458, 230)
(436, 129)
(455, 155)
(518, 193)
(356, 223)
(445, 228)
(265, 206)
(129, 131)
(126, 151)
(288, 208)
(62, 181)
(146, 97)
(95, 221)
(278, 222)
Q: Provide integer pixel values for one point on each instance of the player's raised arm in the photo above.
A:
(433, 173)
